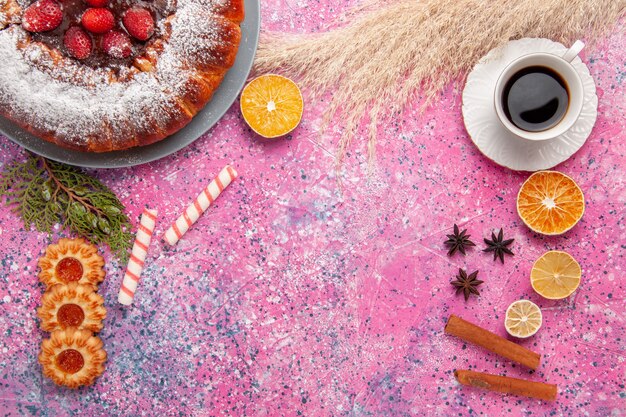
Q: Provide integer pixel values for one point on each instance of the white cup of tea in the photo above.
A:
(539, 96)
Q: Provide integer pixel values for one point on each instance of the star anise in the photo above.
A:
(498, 246)
(458, 241)
(467, 283)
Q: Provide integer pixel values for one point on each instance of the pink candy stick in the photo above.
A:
(137, 257)
(200, 204)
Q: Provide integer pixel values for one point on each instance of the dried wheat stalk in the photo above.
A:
(388, 54)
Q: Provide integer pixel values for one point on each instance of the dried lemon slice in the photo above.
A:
(555, 275)
(550, 202)
(523, 319)
(272, 105)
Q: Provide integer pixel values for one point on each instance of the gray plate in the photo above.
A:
(223, 98)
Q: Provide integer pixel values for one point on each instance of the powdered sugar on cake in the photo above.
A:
(53, 93)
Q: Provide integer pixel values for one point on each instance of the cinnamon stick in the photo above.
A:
(471, 333)
(507, 385)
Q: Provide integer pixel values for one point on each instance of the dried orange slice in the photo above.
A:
(523, 319)
(550, 202)
(272, 105)
(555, 275)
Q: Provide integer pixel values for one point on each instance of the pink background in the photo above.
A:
(292, 296)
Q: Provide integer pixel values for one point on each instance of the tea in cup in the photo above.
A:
(539, 96)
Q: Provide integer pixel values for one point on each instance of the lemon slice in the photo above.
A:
(272, 105)
(550, 202)
(555, 275)
(523, 319)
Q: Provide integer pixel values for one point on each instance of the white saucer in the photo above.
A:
(504, 147)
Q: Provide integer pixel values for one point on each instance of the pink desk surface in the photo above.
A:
(290, 297)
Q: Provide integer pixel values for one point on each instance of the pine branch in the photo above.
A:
(44, 193)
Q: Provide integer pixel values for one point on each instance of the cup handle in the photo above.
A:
(573, 51)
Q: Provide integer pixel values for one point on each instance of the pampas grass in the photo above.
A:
(387, 55)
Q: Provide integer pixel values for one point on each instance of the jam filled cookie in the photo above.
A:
(72, 358)
(71, 260)
(71, 305)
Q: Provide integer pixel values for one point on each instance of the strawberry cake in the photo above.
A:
(104, 75)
